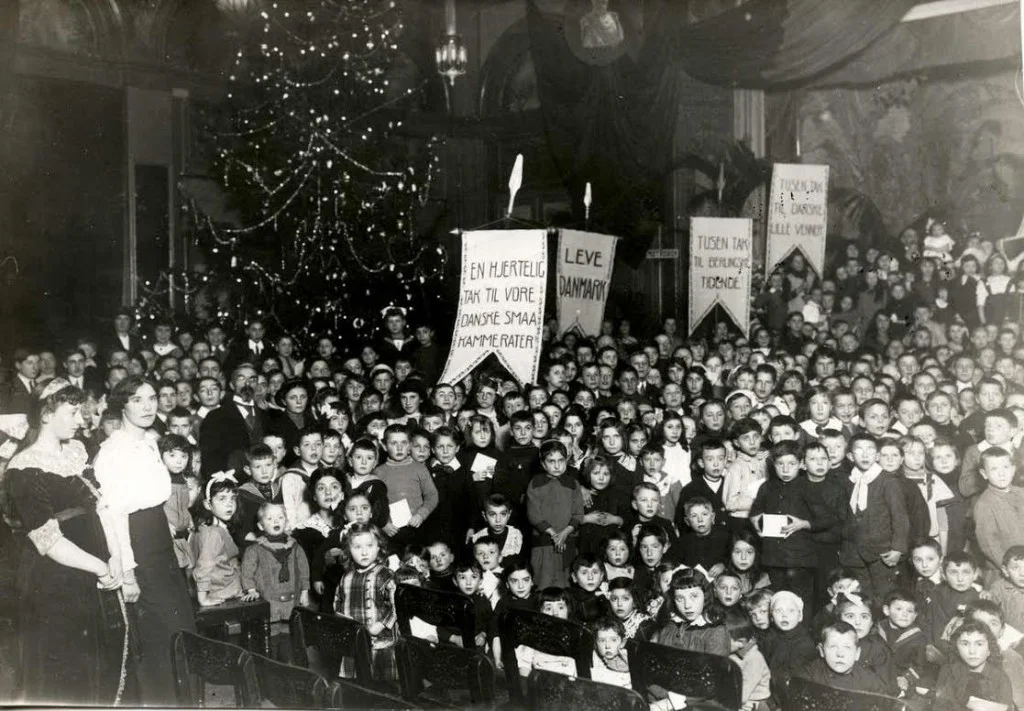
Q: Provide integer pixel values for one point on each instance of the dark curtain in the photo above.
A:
(980, 37)
(612, 122)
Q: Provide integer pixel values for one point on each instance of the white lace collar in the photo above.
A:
(69, 462)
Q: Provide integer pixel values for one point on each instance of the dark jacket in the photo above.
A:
(224, 437)
(879, 528)
(793, 498)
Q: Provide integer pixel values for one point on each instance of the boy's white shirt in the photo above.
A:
(489, 585)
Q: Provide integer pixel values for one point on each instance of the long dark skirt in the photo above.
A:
(164, 606)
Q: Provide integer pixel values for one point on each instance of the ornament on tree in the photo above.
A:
(306, 151)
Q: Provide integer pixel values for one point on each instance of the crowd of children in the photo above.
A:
(837, 497)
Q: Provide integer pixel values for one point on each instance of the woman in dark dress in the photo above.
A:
(136, 484)
(64, 657)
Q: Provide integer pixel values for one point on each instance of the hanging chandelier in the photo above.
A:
(450, 55)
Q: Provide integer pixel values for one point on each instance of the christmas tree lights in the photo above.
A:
(305, 148)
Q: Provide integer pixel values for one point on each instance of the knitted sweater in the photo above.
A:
(411, 481)
(997, 519)
(261, 571)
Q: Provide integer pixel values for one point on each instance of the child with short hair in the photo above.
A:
(702, 543)
(276, 569)
(788, 645)
(262, 488)
(295, 479)
(555, 510)
(827, 499)
(468, 576)
(650, 548)
(487, 555)
(652, 464)
(411, 491)
(517, 465)
(1008, 590)
(728, 590)
(788, 554)
(645, 505)
(999, 426)
(836, 665)
(944, 462)
(757, 605)
(277, 446)
(876, 532)
(974, 673)
(441, 571)
(745, 474)
(450, 521)
(585, 594)
(904, 638)
(509, 539)
(175, 454)
(926, 559)
(610, 664)
(959, 587)
(711, 460)
(874, 652)
(999, 510)
(614, 549)
(754, 669)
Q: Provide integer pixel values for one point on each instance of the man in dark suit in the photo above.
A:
(231, 428)
(122, 337)
(645, 392)
(16, 395)
(252, 349)
(77, 374)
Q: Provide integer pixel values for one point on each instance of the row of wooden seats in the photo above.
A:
(444, 675)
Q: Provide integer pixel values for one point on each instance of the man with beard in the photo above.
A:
(229, 430)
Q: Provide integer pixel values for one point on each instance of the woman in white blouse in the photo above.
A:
(136, 484)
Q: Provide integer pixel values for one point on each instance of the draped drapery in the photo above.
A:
(612, 123)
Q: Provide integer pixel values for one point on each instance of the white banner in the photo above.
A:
(798, 214)
(585, 262)
(721, 251)
(501, 303)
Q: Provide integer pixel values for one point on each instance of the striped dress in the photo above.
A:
(368, 596)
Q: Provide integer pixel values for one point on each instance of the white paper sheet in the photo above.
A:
(400, 513)
(482, 462)
(772, 525)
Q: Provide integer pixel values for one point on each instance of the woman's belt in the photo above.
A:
(68, 514)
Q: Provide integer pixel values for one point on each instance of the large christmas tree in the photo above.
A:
(306, 149)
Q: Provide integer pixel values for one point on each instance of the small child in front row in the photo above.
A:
(487, 555)
(367, 595)
(217, 572)
(275, 569)
(753, 667)
(554, 602)
(837, 664)
(788, 646)
(611, 662)
(174, 451)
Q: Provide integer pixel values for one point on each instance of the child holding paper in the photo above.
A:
(782, 514)
(412, 495)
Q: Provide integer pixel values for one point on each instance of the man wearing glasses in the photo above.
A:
(229, 430)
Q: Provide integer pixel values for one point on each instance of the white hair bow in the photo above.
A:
(228, 475)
